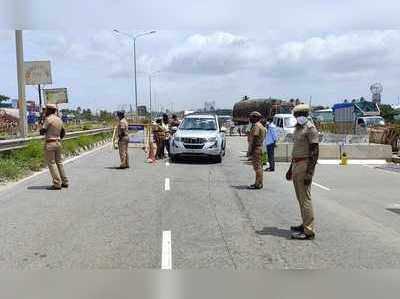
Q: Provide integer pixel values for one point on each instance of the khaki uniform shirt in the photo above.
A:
(53, 125)
(257, 134)
(304, 136)
(123, 130)
(165, 127)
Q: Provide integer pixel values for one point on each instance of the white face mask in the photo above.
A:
(301, 120)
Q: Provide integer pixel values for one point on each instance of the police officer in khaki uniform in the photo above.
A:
(54, 132)
(256, 139)
(304, 158)
(123, 140)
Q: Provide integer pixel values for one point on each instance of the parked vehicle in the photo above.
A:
(323, 116)
(285, 123)
(356, 117)
(199, 135)
(267, 108)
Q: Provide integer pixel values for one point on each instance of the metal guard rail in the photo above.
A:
(6, 145)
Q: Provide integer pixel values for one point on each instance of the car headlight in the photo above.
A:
(179, 139)
(212, 139)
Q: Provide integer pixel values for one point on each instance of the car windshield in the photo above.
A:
(290, 122)
(373, 121)
(193, 123)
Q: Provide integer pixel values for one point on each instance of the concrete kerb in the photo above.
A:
(84, 149)
(333, 151)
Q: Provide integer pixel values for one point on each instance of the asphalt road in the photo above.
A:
(121, 219)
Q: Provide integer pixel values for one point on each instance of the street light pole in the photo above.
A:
(134, 38)
(150, 76)
(23, 126)
(134, 66)
(150, 93)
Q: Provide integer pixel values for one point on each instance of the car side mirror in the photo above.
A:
(223, 130)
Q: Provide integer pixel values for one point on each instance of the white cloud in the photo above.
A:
(218, 65)
(217, 53)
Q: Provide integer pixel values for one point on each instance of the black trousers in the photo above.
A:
(160, 149)
(166, 144)
(271, 155)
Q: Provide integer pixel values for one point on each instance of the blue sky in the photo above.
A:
(209, 51)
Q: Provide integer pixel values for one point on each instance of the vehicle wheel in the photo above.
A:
(218, 158)
(224, 150)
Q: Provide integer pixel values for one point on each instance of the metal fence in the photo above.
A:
(11, 144)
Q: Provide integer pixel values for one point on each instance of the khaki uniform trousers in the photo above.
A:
(123, 152)
(257, 165)
(53, 158)
(303, 194)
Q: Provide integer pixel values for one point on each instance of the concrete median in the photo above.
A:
(332, 151)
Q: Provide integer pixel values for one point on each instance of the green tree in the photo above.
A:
(87, 114)
(387, 112)
(3, 98)
(106, 116)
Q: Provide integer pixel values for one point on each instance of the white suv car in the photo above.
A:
(198, 135)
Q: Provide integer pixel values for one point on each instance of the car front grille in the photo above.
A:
(193, 146)
(193, 140)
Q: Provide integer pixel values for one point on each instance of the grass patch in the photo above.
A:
(18, 163)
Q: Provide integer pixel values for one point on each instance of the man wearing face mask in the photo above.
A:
(304, 158)
(256, 139)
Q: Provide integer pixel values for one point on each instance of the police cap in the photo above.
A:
(255, 114)
(301, 108)
(51, 106)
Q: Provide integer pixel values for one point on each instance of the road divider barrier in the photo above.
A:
(6, 145)
(327, 151)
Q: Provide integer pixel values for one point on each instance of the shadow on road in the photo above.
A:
(240, 187)
(112, 167)
(274, 231)
(38, 187)
(195, 161)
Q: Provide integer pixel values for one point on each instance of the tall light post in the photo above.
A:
(23, 126)
(134, 38)
(150, 76)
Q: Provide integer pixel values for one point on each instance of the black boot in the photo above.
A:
(298, 228)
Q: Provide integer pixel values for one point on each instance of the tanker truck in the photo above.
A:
(267, 107)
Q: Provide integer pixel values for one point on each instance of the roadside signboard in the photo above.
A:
(56, 95)
(137, 134)
(37, 72)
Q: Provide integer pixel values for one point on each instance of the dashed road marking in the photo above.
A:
(166, 251)
(167, 184)
(320, 186)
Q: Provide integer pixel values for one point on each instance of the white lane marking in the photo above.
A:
(167, 184)
(166, 164)
(166, 253)
(320, 186)
(13, 184)
(353, 162)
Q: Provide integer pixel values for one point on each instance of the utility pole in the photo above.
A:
(23, 125)
(150, 93)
